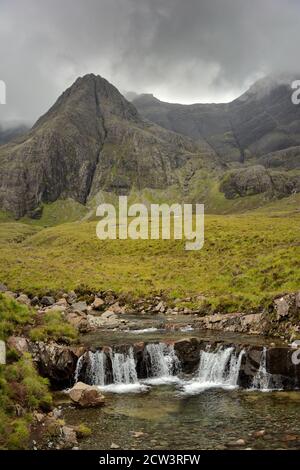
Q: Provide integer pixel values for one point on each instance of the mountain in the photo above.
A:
(91, 140)
(93, 143)
(262, 126)
(11, 132)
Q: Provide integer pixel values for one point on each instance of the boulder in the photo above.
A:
(281, 307)
(3, 287)
(86, 396)
(47, 300)
(23, 299)
(55, 361)
(80, 307)
(18, 343)
(98, 303)
(35, 301)
(71, 297)
(116, 308)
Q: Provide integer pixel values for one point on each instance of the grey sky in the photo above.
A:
(180, 50)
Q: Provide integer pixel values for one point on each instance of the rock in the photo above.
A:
(116, 308)
(10, 294)
(57, 413)
(138, 434)
(18, 343)
(281, 308)
(80, 307)
(109, 314)
(2, 352)
(107, 320)
(55, 308)
(71, 297)
(54, 361)
(69, 437)
(114, 446)
(3, 287)
(46, 301)
(98, 303)
(260, 433)
(297, 300)
(23, 299)
(86, 396)
(78, 320)
(34, 301)
(160, 307)
(237, 443)
(39, 417)
(62, 302)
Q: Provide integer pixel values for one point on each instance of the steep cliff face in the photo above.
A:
(91, 139)
(263, 124)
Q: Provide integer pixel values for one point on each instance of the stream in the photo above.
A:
(153, 403)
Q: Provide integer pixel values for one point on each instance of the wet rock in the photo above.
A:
(18, 343)
(47, 301)
(86, 396)
(54, 361)
(187, 351)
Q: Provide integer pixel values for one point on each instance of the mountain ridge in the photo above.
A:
(91, 139)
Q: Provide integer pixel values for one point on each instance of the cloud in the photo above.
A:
(183, 51)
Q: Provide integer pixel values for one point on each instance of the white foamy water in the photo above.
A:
(217, 369)
(143, 331)
(119, 368)
(124, 388)
(164, 364)
(187, 328)
(263, 380)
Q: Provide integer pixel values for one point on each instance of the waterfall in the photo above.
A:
(164, 365)
(217, 369)
(117, 371)
(123, 367)
(263, 380)
(95, 372)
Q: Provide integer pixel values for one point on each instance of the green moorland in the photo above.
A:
(247, 259)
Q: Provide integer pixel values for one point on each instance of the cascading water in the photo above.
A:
(123, 367)
(117, 371)
(263, 380)
(217, 369)
(164, 364)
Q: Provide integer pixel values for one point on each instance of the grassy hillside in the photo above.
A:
(246, 259)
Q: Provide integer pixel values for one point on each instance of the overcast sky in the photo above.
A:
(180, 50)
